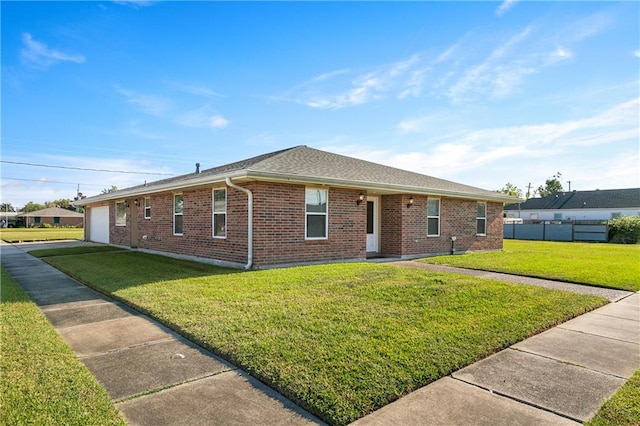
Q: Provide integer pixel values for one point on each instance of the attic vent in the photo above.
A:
(197, 167)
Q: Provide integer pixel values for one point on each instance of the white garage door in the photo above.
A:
(99, 224)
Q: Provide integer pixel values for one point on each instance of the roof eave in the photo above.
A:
(280, 177)
(154, 189)
(382, 188)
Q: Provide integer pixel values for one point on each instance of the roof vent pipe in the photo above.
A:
(197, 167)
(249, 221)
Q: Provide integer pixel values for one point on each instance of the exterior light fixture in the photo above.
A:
(453, 240)
(136, 201)
(361, 198)
(410, 203)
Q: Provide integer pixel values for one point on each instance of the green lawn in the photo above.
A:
(604, 265)
(623, 409)
(16, 235)
(341, 340)
(42, 382)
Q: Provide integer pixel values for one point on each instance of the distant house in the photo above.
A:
(54, 216)
(598, 205)
(298, 205)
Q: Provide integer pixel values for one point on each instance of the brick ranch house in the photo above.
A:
(298, 205)
(54, 216)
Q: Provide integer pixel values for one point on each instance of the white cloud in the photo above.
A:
(219, 122)
(203, 117)
(473, 153)
(197, 90)
(39, 55)
(136, 4)
(496, 75)
(637, 53)
(399, 79)
(150, 104)
(505, 6)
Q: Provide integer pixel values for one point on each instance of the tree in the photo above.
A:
(63, 203)
(511, 189)
(551, 185)
(32, 207)
(108, 190)
(7, 207)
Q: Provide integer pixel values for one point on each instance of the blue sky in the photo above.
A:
(481, 93)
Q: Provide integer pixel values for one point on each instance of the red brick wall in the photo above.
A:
(64, 221)
(279, 226)
(404, 229)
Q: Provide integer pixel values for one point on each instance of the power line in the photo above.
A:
(83, 168)
(49, 181)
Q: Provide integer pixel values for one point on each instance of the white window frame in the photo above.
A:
(557, 216)
(147, 208)
(434, 216)
(325, 214)
(121, 221)
(479, 218)
(616, 215)
(178, 214)
(215, 212)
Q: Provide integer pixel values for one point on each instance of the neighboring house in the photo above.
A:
(598, 205)
(298, 205)
(54, 216)
(8, 219)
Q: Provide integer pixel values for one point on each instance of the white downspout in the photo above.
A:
(249, 221)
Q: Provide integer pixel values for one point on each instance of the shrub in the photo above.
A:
(625, 230)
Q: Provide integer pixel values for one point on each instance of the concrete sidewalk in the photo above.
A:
(156, 377)
(560, 376)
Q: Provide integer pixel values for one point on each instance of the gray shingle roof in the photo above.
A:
(308, 165)
(598, 199)
(52, 212)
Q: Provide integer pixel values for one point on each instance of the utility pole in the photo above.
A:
(569, 182)
(528, 191)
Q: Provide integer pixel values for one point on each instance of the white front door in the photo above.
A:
(372, 224)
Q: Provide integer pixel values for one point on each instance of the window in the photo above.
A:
(219, 213)
(147, 208)
(36, 219)
(56, 220)
(433, 217)
(533, 216)
(316, 214)
(615, 215)
(177, 214)
(557, 216)
(121, 214)
(481, 218)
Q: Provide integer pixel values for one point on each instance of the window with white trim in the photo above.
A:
(219, 213)
(433, 217)
(177, 214)
(316, 217)
(615, 215)
(557, 216)
(147, 208)
(481, 218)
(121, 214)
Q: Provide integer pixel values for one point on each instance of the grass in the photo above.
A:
(341, 340)
(43, 383)
(605, 265)
(623, 408)
(74, 250)
(17, 235)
